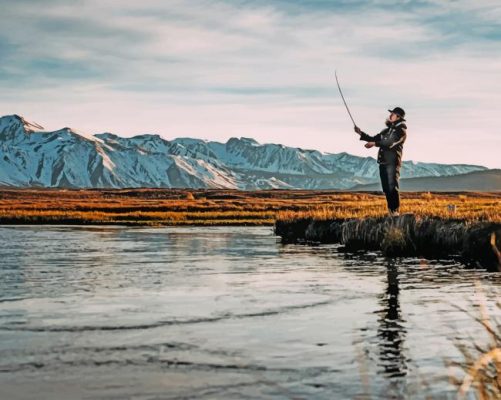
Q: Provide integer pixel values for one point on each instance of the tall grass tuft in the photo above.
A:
(480, 369)
(394, 241)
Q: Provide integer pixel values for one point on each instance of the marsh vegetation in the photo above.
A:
(227, 207)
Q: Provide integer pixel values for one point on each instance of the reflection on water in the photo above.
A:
(391, 330)
(224, 313)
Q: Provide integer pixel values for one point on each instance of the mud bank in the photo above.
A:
(476, 243)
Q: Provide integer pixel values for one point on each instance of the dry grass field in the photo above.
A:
(226, 207)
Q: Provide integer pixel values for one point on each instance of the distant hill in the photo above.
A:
(485, 181)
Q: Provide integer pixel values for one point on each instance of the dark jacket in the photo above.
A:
(390, 142)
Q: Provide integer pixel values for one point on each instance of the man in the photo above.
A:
(390, 142)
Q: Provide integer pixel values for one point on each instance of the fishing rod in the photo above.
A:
(344, 101)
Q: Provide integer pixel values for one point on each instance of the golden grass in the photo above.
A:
(481, 365)
(475, 207)
(226, 207)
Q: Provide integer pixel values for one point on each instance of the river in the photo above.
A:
(224, 313)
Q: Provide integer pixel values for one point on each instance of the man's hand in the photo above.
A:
(358, 130)
(368, 145)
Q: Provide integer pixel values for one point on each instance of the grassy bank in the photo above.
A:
(226, 207)
(476, 242)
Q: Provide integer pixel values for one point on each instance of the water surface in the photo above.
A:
(223, 313)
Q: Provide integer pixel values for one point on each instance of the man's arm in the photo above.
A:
(367, 138)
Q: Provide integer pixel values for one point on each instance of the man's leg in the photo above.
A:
(383, 174)
(393, 187)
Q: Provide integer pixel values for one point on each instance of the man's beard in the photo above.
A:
(388, 122)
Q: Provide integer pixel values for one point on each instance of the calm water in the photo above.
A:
(222, 313)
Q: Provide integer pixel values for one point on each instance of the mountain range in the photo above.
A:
(33, 157)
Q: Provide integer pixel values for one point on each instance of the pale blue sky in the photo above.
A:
(261, 69)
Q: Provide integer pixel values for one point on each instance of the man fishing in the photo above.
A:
(390, 142)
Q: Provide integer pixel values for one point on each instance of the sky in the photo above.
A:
(215, 69)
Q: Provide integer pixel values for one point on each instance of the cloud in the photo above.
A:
(261, 68)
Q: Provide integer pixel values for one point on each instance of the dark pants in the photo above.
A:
(389, 174)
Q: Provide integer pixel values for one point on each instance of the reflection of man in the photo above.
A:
(390, 142)
(391, 331)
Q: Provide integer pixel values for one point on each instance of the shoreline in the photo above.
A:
(477, 244)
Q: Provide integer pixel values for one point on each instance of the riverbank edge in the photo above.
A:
(6, 221)
(476, 243)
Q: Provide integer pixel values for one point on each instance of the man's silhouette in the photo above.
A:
(390, 142)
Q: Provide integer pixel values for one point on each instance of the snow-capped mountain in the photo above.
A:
(30, 156)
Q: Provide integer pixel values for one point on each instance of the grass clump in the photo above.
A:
(480, 370)
(394, 241)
